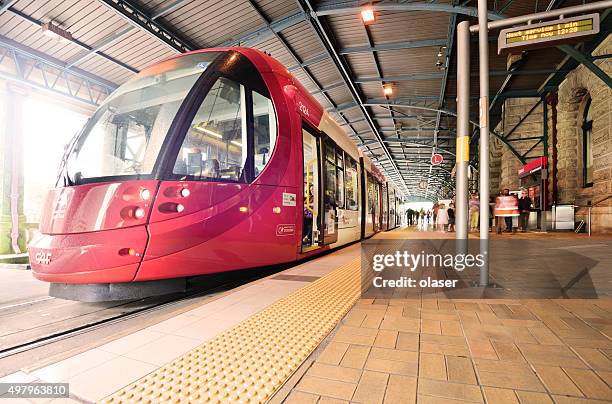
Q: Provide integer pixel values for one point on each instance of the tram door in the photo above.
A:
(330, 205)
(310, 226)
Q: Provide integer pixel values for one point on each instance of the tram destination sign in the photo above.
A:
(550, 33)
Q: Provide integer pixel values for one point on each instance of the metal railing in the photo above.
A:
(590, 209)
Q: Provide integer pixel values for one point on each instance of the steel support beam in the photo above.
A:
(393, 46)
(41, 71)
(162, 11)
(141, 19)
(587, 62)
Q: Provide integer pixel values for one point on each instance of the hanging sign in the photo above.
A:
(550, 33)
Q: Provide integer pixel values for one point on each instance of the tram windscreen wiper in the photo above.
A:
(63, 171)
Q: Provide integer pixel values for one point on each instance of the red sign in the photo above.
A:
(436, 159)
(533, 166)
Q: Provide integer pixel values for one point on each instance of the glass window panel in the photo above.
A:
(215, 147)
(264, 124)
(350, 185)
(340, 179)
(125, 134)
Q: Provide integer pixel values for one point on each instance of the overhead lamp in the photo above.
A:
(388, 89)
(367, 15)
(53, 31)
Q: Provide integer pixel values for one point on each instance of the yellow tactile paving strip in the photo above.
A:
(248, 363)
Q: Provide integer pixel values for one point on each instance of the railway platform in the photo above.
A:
(305, 335)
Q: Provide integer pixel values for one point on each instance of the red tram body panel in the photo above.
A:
(211, 161)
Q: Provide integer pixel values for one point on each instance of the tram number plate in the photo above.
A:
(285, 229)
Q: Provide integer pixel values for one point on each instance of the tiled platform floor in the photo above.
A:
(426, 350)
(442, 351)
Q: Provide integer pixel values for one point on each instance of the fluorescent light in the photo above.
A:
(209, 132)
(367, 15)
(236, 143)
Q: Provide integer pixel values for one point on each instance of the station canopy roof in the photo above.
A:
(346, 63)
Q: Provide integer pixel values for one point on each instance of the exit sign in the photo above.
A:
(550, 33)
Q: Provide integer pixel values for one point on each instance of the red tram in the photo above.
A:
(211, 161)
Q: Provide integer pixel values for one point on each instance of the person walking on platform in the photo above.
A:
(506, 206)
(409, 216)
(474, 211)
(434, 209)
(451, 217)
(525, 205)
(442, 218)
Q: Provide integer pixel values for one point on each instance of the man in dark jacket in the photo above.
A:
(524, 204)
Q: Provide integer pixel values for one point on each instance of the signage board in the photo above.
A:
(534, 165)
(549, 33)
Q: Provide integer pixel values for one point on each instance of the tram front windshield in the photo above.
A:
(125, 135)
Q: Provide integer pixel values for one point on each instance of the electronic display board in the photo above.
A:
(548, 33)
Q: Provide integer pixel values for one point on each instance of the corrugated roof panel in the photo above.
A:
(348, 30)
(409, 26)
(372, 89)
(275, 10)
(352, 114)
(208, 23)
(340, 95)
(302, 39)
(277, 50)
(362, 64)
(408, 61)
(362, 128)
(304, 80)
(417, 87)
(322, 100)
(325, 72)
(150, 50)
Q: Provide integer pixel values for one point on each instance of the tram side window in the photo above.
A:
(264, 124)
(215, 147)
(330, 174)
(350, 184)
(340, 179)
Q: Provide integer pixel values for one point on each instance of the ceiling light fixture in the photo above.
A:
(388, 89)
(53, 31)
(367, 15)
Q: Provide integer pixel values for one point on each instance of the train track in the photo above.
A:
(165, 302)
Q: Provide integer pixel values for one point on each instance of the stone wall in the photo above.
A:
(579, 85)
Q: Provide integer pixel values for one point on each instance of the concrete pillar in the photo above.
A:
(12, 219)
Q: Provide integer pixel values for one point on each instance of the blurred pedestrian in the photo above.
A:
(474, 211)
(525, 205)
(442, 218)
(451, 216)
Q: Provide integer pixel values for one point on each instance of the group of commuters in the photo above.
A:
(505, 206)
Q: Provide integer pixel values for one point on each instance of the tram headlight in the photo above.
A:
(184, 192)
(139, 213)
(145, 194)
(171, 207)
